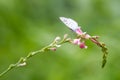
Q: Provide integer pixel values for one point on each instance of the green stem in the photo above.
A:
(11, 66)
(23, 60)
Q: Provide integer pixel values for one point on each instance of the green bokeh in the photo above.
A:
(29, 25)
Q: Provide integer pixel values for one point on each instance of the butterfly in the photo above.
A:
(70, 23)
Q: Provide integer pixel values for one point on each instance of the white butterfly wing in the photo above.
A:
(69, 23)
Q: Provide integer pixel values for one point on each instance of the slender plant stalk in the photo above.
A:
(52, 47)
(103, 49)
(22, 61)
(80, 40)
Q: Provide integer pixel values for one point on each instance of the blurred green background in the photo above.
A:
(29, 25)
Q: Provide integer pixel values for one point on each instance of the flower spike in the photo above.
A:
(73, 25)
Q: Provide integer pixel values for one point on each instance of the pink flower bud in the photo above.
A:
(76, 41)
(94, 40)
(58, 45)
(87, 36)
(53, 49)
(82, 45)
(57, 38)
(21, 64)
(65, 36)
